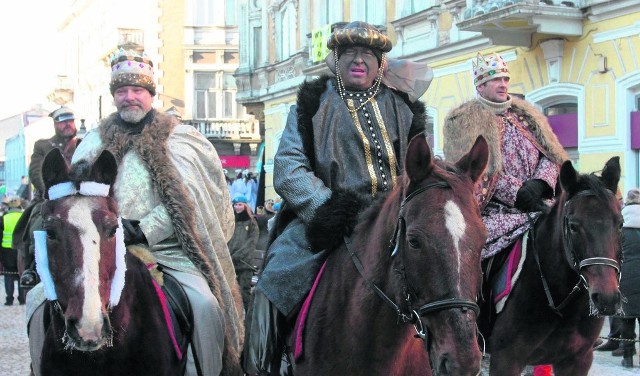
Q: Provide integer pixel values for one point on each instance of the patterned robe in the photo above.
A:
(522, 147)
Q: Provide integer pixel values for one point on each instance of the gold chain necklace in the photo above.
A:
(341, 89)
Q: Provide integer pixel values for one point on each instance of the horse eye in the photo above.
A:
(51, 235)
(573, 227)
(413, 243)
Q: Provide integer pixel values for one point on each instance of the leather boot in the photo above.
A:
(627, 357)
(29, 277)
(610, 345)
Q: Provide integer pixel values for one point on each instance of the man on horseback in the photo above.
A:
(344, 144)
(524, 157)
(525, 154)
(173, 199)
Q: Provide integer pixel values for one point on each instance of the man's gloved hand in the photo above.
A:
(132, 232)
(530, 195)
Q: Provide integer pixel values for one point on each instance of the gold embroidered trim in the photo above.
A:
(387, 143)
(367, 148)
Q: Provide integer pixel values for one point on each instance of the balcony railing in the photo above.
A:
(229, 129)
(512, 22)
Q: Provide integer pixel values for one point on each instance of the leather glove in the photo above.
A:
(132, 232)
(530, 195)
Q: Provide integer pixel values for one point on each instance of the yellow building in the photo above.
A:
(576, 60)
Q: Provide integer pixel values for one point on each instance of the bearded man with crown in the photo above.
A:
(173, 199)
(357, 117)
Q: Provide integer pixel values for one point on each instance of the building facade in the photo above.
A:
(194, 47)
(576, 60)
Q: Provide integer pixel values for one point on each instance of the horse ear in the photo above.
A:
(105, 168)
(568, 177)
(611, 174)
(419, 160)
(55, 169)
(474, 163)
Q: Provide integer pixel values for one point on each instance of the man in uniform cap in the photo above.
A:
(341, 118)
(64, 139)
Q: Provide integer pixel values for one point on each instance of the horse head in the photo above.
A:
(85, 266)
(592, 222)
(439, 238)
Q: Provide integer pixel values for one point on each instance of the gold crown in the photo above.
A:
(485, 69)
(130, 69)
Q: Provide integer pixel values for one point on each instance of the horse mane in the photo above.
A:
(80, 171)
(593, 182)
(390, 201)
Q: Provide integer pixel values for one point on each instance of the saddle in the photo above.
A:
(179, 310)
(178, 306)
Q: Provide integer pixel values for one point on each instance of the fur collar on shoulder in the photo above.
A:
(464, 123)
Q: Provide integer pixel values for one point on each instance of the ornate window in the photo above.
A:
(368, 11)
(205, 95)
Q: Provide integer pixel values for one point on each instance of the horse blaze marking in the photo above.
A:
(80, 217)
(454, 221)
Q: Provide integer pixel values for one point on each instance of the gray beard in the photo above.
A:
(132, 115)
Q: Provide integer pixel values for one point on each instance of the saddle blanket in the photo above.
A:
(298, 329)
(509, 272)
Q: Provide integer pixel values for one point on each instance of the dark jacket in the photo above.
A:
(40, 150)
(243, 243)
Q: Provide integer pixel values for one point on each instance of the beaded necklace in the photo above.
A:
(341, 89)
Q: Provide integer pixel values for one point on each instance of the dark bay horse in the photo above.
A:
(103, 314)
(375, 301)
(569, 279)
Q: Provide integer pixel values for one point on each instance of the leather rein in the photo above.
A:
(412, 315)
(572, 259)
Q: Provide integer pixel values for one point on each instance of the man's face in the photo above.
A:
(358, 67)
(132, 102)
(496, 90)
(66, 128)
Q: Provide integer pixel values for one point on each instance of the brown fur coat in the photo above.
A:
(465, 123)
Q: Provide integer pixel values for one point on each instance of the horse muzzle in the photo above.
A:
(88, 335)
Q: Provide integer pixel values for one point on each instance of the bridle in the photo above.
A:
(86, 188)
(411, 315)
(572, 258)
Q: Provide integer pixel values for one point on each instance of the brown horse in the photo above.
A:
(569, 279)
(104, 315)
(393, 310)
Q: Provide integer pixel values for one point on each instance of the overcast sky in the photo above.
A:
(28, 63)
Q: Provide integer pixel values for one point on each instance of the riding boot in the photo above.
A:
(29, 277)
(263, 337)
(627, 357)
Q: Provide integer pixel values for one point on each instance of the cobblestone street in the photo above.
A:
(13, 338)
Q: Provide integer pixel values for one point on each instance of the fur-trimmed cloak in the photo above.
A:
(322, 175)
(188, 180)
(465, 123)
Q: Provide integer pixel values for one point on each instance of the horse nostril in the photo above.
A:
(444, 368)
